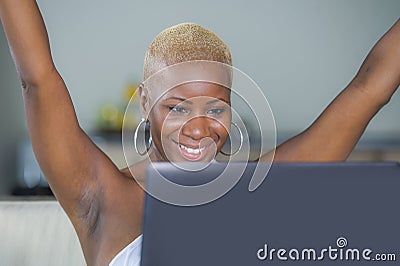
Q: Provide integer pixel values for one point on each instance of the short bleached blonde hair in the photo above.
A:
(181, 43)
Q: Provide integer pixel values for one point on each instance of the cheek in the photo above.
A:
(223, 133)
(161, 124)
(156, 123)
(223, 124)
(221, 128)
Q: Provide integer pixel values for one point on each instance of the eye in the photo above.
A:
(216, 111)
(177, 109)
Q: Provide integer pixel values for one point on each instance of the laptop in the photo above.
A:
(305, 213)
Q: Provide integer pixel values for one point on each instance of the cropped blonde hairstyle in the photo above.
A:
(181, 43)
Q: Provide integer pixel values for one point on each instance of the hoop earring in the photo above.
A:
(240, 145)
(146, 131)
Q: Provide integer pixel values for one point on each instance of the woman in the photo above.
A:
(105, 203)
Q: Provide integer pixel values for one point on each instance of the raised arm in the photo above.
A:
(74, 167)
(337, 130)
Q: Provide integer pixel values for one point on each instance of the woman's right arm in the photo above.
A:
(75, 168)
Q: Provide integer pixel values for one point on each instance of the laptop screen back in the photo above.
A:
(330, 212)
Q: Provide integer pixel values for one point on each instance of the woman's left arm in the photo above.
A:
(337, 130)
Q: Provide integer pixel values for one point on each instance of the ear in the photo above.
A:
(144, 101)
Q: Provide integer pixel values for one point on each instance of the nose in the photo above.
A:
(197, 128)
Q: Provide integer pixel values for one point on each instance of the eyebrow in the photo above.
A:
(218, 100)
(179, 99)
(190, 102)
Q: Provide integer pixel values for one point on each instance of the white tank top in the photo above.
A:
(130, 255)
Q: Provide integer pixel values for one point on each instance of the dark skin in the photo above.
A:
(196, 114)
(105, 203)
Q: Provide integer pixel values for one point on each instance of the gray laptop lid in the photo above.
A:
(330, 213)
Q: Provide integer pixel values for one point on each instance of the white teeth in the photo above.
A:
(190, 150)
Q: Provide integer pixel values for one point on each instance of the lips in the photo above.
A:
(192, 154)
(192, 150)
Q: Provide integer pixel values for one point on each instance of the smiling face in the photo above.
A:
(190, 122)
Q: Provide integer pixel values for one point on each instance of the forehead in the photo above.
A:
(198, 90)
(195, 78)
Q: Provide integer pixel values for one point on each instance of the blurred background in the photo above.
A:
(301, 54)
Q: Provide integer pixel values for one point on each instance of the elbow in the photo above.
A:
(36, 79)
(377, 91)
(384, 94)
